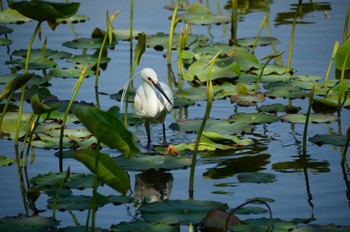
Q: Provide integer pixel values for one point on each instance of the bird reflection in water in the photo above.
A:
(152, 185)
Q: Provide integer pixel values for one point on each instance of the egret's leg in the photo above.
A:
(164, 136)
(147, 126)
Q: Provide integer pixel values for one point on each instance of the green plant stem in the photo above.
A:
(291, 42)
(31, 139)
(130, 35)
(76, 89)
(54, 204)
(201, 129)
(171, 31)
(28, 134)
(335, 49)
(259, 33)
(234, 18)
(93, 205)
(19, 119)
(311, 98)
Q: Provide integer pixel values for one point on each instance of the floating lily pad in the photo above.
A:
(119, 34)
(4, 29)
(73, 19)
(27, 224)
(143, 226)
(4, 161)
(322, 228)
(262, 41)
(85, 43)
(253, 118)
(87, 59)
(246, 210)
(336, 140)
(260, 225)
(160, 41)
(34, 64)
(247, 100)
(202, 15)
(226, 68)
(5, 42)
(72, 72)
(271, 69)
(38, 53)
(332, 101)
(157, 162)
(8, 126)
(314, 118)
(81, 228)
(12, 16)
(280, 90)
(83, 202)
(256, 177)
(175, 211)
(278, 107)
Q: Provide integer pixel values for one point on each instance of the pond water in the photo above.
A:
(319, 194)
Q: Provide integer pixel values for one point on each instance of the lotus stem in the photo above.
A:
(335, 49)
(291, 42)
(341, 84)
(130, 35)
(311, 98)
(76, 89)
(259, 33)
(54, 204)
(343, 158)
(171, 33)
(180, 67)
(234, 18)
(201, 129)
(26, 67)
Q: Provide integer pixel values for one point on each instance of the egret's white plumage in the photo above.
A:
(153, 100)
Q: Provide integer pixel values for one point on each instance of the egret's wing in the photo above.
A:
(138, 102)
(169, 94)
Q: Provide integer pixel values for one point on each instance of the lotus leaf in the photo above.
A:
(247, 100)
(260, 225)
(87, 59)
(45, 11)
(341, 54)
(34, 63)
(278, 107)
(213, 50)
(83, 202)
(322, 228)
(314, 118)
(39, 53)
(253, 118)
(85, 43)
(332, 101)
(80, 228)
(256, 177)
(271, 69)
(4, 161)
(156, 162)
(143, 226)
(5, 42)
(175, 211)
(73, 19)
(336, 140)
(119, 34)
(8, 126)
(160, 41)
(262, 41)
(72, 72)
(226, 68)
(199, 14)
(12, 16)
(108, 129)
(280, 90)
(23, 223)
(47, 142)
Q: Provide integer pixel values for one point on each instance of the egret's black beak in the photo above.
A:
(160, 89)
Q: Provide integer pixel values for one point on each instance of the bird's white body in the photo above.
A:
(153, 100)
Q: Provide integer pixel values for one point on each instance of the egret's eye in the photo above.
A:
(150, 79)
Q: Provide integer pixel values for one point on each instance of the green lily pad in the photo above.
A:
(5, 42)
(322, 228)
(85, 43)
(246, 210)
(256, 177)
(23, 223)
(72, 72)
(253, 118)
(281, 90)
(44, 141)
(5, 30)
(260, 225)
(336, 140)
(143, 226)
(45, 11)
(202, 15)
(34, 64)
(38, 53)
(73, 19)
(262, 41)
(278, 107)
(247, 99)
(8, 126)
(332, 101)
(12, 16)
(83, 202)
(175, 211)
(157, 162)
(118, 33)
(4, 161)
(160, 41)
(271, 69)
(226, 68)
(314, 118)
(81, 228)
(87, 59)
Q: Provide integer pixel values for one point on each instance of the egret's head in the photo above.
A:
(149, 75)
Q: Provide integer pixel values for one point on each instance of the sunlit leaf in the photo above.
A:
(253, 118)
(72, 72)
(15, 84)
(314, 118)
(108, 171)
(108, 129)
(341, 54)
(4, 161)
(12, 16)
(262, 41)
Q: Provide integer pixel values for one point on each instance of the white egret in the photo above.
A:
(153, 100)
